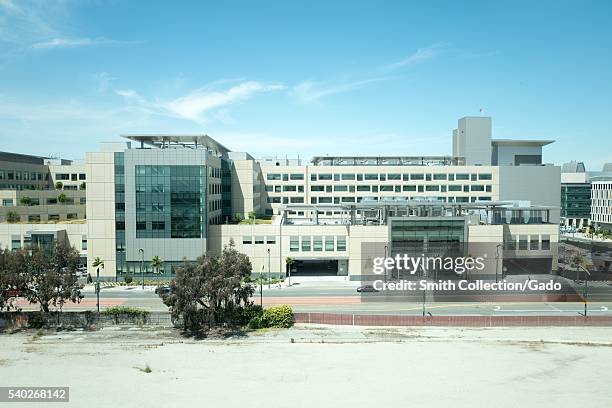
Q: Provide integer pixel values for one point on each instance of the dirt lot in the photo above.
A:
(323, 366)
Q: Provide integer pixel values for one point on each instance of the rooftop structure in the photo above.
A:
(180, 141)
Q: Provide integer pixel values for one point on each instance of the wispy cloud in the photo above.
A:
(79, 42)
(311, 91)
(196, 104)
(419, 56)
(103, 79)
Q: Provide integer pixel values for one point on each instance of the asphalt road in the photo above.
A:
(342, 297)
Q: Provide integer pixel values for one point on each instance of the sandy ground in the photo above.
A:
(324, 366)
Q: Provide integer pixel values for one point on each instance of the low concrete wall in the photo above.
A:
(459, 321)
(15, 320)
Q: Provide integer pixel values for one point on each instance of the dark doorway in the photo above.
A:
(314, 267)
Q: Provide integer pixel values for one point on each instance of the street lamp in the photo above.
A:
(98, 287)
(386, 268)
(268, 268)
(586, 287)
(497, 262)
(261, 286)
(142, 266)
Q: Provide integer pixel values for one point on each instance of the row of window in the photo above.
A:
(527, 242)
(339, 200)
(317, 243)
(285, 176)
(466, 188)
(70, 176)
(401, 176)
(9, 202)
(23, 175)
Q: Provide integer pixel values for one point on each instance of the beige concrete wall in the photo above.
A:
(101, 211)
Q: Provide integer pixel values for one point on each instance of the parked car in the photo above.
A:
(366, 288)
(163, 290)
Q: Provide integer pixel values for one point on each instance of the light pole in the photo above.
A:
(142, 266)
(261, 287)
(497, 262)
(268, 268)
(586, 288)
(98, 289)
(386, 268)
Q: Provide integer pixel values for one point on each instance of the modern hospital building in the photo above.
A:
(179, 197)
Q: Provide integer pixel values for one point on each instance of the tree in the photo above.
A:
(12, 217)
(252, 216)
(98, 263)
(83, 186)
(61, 198)
(25, 200)
(156, 263)
(208, 291)
(237, 218)
(289, 261)
(50, 279)
(59, 185)
(9, 279)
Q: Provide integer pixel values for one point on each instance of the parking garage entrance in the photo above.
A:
(315, 267)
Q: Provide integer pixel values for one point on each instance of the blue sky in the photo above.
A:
(306, 78)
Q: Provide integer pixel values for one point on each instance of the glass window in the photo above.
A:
(545, 242)
(306, 244)
(462, 176)
(484, 176)
(371, 176)
(325, 176)
(317, 244)
(363, 188)
(247, 240)
(428, 177)
(439, 176)
(317, 188)
(336, 177)
(348, 176)
(259, 240)
(510, 242)
(340, 188)
(416, 176)
(329, 244)
(474, 177)
(359, 177)
(271, 240)
(386, 188)
(294, 244)
(273, 176)
(409, 188)
(432, 188)
(285, 177)
(523, 242)
(341, 243)
(297, 200)
(394, 176)
(534, 242)
(477, 188)
(296, 176)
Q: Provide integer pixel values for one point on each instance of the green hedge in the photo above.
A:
(126, 311)
(280, 316)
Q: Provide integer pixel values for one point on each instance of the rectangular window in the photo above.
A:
(394, 176)
(290, 188)
(363, 188)
(510, 242)
(523, 242)
(317, 244)
(247, 240)
(259, 240)
(348, 177)
(534, 242)
(84, 243)
(462, 176)
(325, 200)
(297, 200)
(409, 188)
(478, 188)
(341, 244)
(34, 218)
(16, 243)
(306, 244)
(82, 176)
(294, 244)
(329, 244)
(285, 177)
(439, 176)
(386, 188)
(545, 242)
(296, 176)
(273, 176)
(270, 240)
(432, 188)
(484, 176)
(158, 225)
(371, 176)
(341, 188)
(416, 176)
(325, 176)
(141, 225)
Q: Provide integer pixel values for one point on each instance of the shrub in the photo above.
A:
(126, 311)
(278, 316)
(128, 279)
(36, 321)
(243, 315)
(256, 323)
